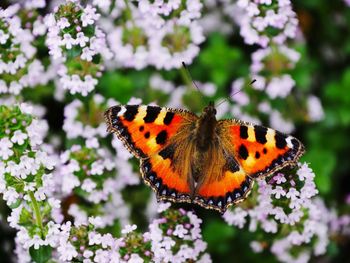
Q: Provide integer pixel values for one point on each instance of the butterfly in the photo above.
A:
(200, 160)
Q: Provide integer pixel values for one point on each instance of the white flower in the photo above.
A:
(180, 231)
(29, 164)
(5, 148)
(314, 108)
(278, 192)
(40, 194)
(280, 86)
(15, 87)
(97, 168)
(236, 217)
(67, 251)
(26, 108)
(36, 241)
(81, 39)
(92, 143)
(63, 23)
(292, 193)
(279, 123)
(69, 182)
(135, 258)
(88, 185)
(89, 16)
(87, 54)
(10, 196)
(88, 254)
(3, 37)
(94, 238)
(19, 137)
(128, 229)
(163, 206)
(256, 246)
(68, 41)
(279, 178)
(96, 221)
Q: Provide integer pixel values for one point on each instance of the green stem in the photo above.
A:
(38, 218)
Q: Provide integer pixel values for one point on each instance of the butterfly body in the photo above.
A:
(205, 128)
(186, 158)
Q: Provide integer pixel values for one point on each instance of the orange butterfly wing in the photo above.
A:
(260, 151)
(164, 141)
(155, 135)
(250, 151)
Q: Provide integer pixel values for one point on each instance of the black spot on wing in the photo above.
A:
(131, 111)
(161, 137)
(168, 117)
(260, 134)
(167, 152)
(115, 111)
(257, 155)
(280, 139)
(296, 143)
(243, 132)
(141, 128)
(243, 152)
(151, 114)
(147, 135)
(231, 164)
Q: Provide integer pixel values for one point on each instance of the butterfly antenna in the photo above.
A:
(238, 91)
(190, 76)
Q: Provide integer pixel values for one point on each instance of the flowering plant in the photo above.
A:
(70, 192)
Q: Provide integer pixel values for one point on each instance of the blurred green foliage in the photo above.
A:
(324, 70)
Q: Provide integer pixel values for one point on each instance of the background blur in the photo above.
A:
(304, 91)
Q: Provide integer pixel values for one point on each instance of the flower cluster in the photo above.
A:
(174, 237)
(25, 182)
(269, 24)
(82, 243)
(278, 83)
(158, 33)
(18, 66)
(267, 21)
(284, 206)
(74, 195)
(78, 44)
(89, 182)
(218, 18)
(87, 122)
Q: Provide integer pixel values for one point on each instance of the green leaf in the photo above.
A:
(96, 59)
(40, 255)
(323, 162)
(16, 204)
(221, 62)
(74, 52)
(218, 235)
(116, 85)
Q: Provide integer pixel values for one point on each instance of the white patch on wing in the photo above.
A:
(122, 111)
(289, 142)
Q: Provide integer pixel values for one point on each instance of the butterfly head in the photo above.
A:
(210, 109)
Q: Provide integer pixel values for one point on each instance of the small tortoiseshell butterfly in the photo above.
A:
(186, 158)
